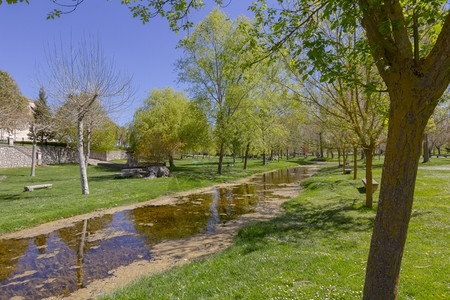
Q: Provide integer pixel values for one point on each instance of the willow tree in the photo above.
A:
(167, 123)
(81, 77)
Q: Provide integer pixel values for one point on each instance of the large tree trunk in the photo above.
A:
(81, 161)
(369, 186)
(409, 115)
(247, 149)
(221, 153)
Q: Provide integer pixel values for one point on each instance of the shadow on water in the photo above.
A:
(67, 259)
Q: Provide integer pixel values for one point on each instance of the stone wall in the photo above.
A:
(20, 156)
(10, 157)
(108, 156)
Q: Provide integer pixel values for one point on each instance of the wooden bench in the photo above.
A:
(40, 186)
(347, 171)
(374, 184)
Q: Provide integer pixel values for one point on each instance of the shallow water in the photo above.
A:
(67, 259)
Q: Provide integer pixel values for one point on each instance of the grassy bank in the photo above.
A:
(21, 209)
(318, 248)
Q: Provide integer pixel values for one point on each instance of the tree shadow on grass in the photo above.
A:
(304, 222)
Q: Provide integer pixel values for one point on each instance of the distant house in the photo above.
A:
(19, 134)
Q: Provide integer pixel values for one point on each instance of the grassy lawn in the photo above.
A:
(21, 209)
(318, 248)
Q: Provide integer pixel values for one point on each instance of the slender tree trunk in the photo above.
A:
(355, 163)
(221, 153)
(171, 163)
(81, 161)
(287, 154)
(344, 160)
(320, 144)
(409, 115)
(80, 256)
(234, 158)
(264, 157)
(369, 186)
(426, 152)
(339, 156)
(88, 145)
(247, 149)
(33, 157)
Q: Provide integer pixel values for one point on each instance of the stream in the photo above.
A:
(67, 259)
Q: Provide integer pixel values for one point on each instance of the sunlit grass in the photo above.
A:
(21, 209)
(318, 248)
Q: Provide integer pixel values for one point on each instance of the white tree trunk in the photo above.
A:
(81, 160)
(33, 157)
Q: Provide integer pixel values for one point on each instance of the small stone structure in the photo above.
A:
(149, 172)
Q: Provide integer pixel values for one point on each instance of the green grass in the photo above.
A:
(21, 209)
(318, 248)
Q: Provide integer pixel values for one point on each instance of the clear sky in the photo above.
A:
(146, 51)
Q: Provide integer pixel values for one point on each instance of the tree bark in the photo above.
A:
(247, 149)
(33, 157)
(339, 156)
(426, 153)
(88, 145)
(81, 161)
(320, 144)
(368, 153)
(171, 163)
(355, 163)
(409, 115)
(221, 153)
(344, 160)
(264, 157)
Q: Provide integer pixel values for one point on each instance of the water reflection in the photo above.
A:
(69, 258)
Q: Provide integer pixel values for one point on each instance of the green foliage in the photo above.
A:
(42, 119)
(13, 106)
(167, 123)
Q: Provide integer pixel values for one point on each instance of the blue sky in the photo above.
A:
(146, 51)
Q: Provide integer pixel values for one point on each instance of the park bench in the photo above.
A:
(374, 184)
(40, 186)
(347, 171)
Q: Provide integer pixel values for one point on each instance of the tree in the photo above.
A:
(212, 56)
(13, 106)
(414, 64)
(83, 79)
(40, 125)
(165, 124)
(43, 117)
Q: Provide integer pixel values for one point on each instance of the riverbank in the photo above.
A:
(318, 248)
(22, 210)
